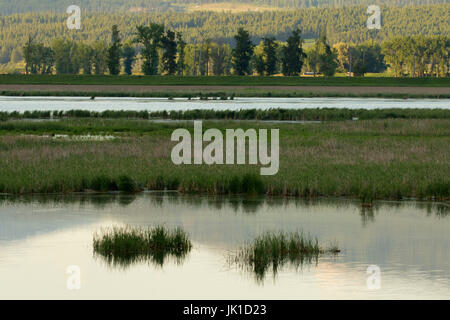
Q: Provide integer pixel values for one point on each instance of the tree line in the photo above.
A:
(165, 52)
(154, 50)
(346, 24)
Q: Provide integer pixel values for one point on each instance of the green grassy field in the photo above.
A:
(222, 80)
(367, 159)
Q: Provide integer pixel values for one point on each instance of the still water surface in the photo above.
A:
(41, 236)
(157, 104)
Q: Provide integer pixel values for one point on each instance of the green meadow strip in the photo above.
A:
(223, 80)
(206, 94)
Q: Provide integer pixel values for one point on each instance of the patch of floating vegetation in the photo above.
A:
(124, 246)
(272, 251)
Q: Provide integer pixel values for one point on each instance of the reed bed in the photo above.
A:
(366, 159)
(273, 251)
(278, 114)
(123, 246)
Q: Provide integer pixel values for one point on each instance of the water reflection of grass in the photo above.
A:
(124, 246)
(237, 204)
(273, 251)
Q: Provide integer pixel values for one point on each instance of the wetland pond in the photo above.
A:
(99, 104)
(42, 236)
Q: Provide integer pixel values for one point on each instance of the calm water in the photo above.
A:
(41, 236)
(156, 104)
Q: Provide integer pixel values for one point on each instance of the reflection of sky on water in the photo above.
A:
(156, 104)
(40, 236)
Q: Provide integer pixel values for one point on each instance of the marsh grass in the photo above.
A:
(366, 159)
(273, 251)
(277, 114)
(103, 183)
(124, 246)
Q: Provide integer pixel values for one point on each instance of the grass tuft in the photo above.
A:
(275, 250)
(123, 246)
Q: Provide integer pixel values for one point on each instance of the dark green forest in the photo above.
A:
(339, 24)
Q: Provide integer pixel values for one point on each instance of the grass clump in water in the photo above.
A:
(123, 246)
(275, 250)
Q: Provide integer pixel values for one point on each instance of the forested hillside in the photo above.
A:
(22, 6)
(339, 24)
